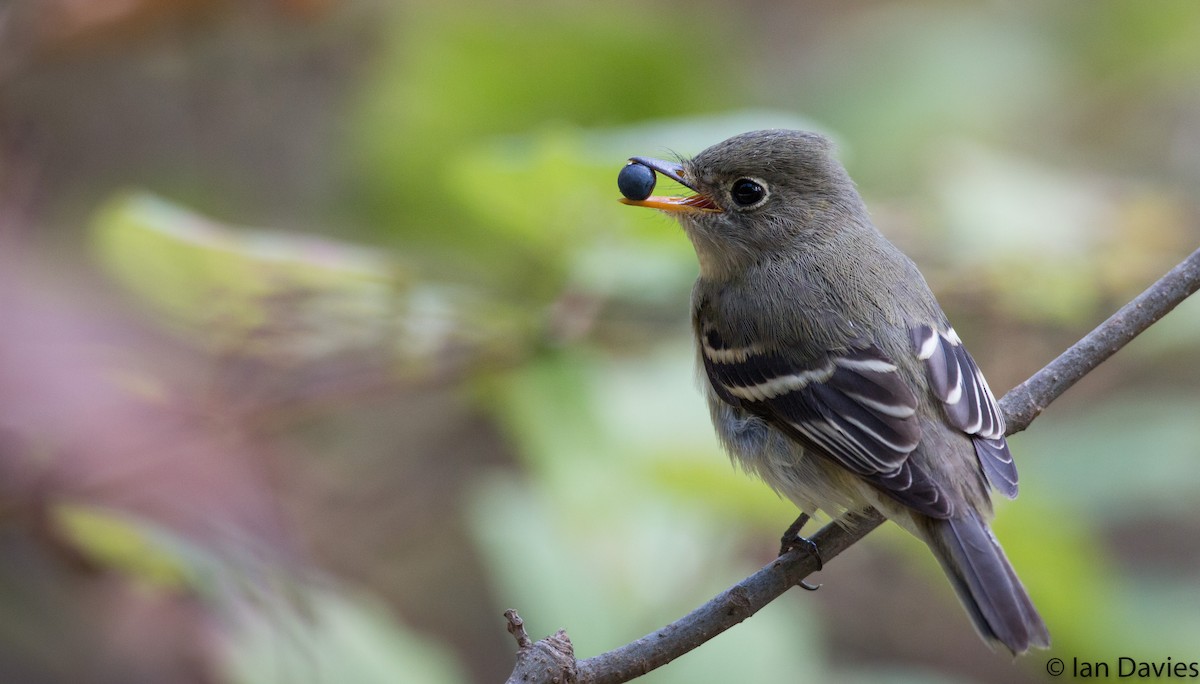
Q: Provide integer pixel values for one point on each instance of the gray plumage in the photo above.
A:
(830, 369)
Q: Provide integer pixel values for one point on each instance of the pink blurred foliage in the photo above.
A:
(106, 418)
(95, 411)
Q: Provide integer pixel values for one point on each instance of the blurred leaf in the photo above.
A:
(220, 284)
(453, 79)
(119, 541)
(275, 628)
(538, 198)
(338, 638)
(144, 550)
(549, 196)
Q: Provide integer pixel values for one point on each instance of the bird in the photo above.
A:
(830, 369)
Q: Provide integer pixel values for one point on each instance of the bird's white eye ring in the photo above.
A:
(747, 192)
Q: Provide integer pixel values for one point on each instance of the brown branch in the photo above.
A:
(1020, 406)
(726, 610)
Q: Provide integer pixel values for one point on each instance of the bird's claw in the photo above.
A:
(792, 540)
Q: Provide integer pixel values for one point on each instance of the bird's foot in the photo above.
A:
(792, 540)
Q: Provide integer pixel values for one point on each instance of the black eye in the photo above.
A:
(747, 192)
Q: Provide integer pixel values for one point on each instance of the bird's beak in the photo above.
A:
(675, 171)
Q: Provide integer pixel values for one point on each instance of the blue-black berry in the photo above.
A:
(636, 181)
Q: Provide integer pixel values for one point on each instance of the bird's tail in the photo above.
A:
(986, 583)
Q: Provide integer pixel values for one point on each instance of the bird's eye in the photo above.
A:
(747, 192)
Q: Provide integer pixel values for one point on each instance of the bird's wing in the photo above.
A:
(853, 406)
(969, 404)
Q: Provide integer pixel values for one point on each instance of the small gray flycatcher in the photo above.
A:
(830, 369)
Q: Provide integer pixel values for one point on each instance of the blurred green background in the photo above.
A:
(323, 339)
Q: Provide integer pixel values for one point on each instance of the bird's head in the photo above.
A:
(755, 194)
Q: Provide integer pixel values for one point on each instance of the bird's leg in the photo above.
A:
(792, 540)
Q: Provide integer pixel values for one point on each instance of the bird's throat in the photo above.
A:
(719, 262)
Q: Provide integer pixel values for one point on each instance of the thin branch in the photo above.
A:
(1020, 406)
(726, 610)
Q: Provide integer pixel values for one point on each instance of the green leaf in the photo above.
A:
(455, 76)
(116, 540)
(223, 285)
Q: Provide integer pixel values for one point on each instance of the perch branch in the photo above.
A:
(1020, 406)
